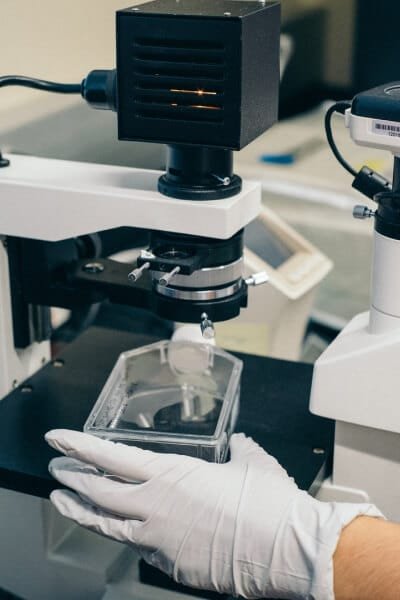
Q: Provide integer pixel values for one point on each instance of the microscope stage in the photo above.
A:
(274, 410)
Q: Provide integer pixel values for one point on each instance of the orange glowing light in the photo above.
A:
(206, 107)
(197, 92)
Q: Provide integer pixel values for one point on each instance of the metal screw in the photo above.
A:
(227, 14)
(137, 273)
(318, 451)
(257, 278)
(27, 389)
(223, 180)
(14, 384)
(93, 268)
(135, 8)
(362, 212)
(165, 279)
(58, 363)
(207, 327)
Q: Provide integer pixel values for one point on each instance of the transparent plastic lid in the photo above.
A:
(180, 390)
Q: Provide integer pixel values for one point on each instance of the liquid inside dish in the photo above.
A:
(185, 409)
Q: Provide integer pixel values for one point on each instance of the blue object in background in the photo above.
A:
(278, 159)
(290, 157)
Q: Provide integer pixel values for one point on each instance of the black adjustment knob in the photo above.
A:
(387, 221)
(4, 162)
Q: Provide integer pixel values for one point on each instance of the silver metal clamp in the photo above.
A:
(362, 212)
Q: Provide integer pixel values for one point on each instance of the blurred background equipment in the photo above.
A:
(377, 44)
(280, 311)
(341, 47)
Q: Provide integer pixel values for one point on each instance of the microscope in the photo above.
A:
(200, 76)
(356, 380)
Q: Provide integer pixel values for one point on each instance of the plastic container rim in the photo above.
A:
(182, 439)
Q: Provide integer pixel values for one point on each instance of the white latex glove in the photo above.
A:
(242, 527)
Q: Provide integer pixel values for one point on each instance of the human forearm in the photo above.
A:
(367, 561)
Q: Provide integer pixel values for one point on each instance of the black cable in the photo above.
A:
(41, 84)
(367, 181)
(338, 107)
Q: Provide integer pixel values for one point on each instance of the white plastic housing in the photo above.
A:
(52, 200)
(357, 379)
(385, 293)
(374, 133)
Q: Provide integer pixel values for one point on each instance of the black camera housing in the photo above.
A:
(381, 102)
(198, 72)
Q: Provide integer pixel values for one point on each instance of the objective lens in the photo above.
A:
(173, 253)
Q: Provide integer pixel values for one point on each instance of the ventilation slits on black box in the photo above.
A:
(179, 80)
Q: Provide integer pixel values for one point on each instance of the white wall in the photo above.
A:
(58, 39)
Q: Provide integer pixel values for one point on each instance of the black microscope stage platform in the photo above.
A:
(274, 410)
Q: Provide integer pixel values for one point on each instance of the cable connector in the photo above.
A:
(99, 89)
(370, 183)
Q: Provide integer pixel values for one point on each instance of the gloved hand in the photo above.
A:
(242, 527)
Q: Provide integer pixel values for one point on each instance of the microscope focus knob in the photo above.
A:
(362, 212)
